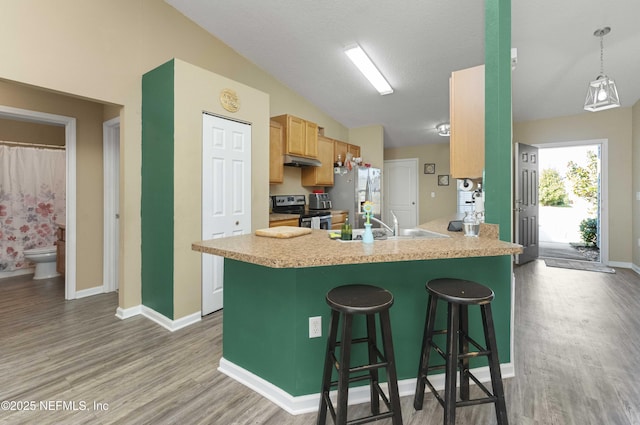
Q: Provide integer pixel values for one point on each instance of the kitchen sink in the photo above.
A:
(404, 234)
(417, 233)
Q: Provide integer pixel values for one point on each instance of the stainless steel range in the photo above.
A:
(295, 204)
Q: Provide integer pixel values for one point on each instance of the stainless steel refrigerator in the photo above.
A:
(352, 188)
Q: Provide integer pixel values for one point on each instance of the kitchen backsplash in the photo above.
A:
(291, 184)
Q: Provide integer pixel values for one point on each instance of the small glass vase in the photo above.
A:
(367, 236)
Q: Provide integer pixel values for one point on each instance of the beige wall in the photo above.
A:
(444, 204)
(197, 90)
(30, 132)
(371, 142)
(99, 50)
(615, 125)
(89, 195)
(636, 182)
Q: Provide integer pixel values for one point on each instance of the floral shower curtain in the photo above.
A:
(32, 201)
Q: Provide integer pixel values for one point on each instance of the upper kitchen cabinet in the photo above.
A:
(466, 90)
(353, 150)
(322, 175)
(276, 140)
(300, 136)
(342, 148)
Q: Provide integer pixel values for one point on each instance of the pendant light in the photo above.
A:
(601, 93)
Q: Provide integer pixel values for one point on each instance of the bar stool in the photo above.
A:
(459, 294)
(348, 301)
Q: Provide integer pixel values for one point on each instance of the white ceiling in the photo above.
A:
(416, 44)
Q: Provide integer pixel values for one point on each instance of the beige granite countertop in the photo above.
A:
(316, 249)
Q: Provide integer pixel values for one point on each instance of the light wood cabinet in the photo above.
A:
(322, 175)
(466, 92)
(337, 220)
(287, 222)
(60, 249)
(300, 136)
(342, 148)
(339, 149)
(353, 150)
(276, 140)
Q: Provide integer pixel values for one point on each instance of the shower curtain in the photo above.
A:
(32, 201)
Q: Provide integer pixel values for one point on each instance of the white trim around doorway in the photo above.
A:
(111, 160)
(604, 187)
(69, 124)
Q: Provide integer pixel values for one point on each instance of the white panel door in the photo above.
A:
(226, 196)
(401, 191)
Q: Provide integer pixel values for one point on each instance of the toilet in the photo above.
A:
(45, 259)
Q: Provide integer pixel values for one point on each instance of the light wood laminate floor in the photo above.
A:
(577, 360)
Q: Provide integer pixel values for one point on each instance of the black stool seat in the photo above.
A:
(346, 302)
(460, 291)
(459, 295)
(359, 299)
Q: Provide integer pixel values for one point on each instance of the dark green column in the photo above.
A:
(498, 121)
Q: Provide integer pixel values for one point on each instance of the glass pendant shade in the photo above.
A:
(601, 94)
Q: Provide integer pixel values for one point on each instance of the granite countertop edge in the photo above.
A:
(316, 249)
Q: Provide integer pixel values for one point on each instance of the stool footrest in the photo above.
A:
(366, 419)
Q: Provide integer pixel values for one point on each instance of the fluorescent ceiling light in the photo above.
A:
(368, 69)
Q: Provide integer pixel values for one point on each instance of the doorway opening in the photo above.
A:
(69, 124)
(572, 192)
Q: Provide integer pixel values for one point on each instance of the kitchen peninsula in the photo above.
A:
(272, 287)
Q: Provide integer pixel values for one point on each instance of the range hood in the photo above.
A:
(299, 161)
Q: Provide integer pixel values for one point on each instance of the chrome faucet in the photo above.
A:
(395, 230)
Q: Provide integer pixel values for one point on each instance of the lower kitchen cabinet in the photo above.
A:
(287, 222)
(338, 219)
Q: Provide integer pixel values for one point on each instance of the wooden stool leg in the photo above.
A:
(392, 377)
(343, 371)
(328, 367)
(373, 358)
(463, 348)
(452, 365)
(426, 350)
(494, 364)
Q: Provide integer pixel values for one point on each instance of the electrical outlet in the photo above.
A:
(315, 327)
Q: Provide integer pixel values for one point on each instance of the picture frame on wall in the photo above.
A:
(429, 168)
(443, 180)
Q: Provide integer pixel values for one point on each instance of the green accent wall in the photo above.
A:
(498, 120)
(157, 188)
(267, 311)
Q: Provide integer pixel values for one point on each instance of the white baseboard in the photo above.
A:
(89, 292)
(125, 313)
(635, 268)
(297, 405)
(19, 272)
(620, 264)
(162, 320)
